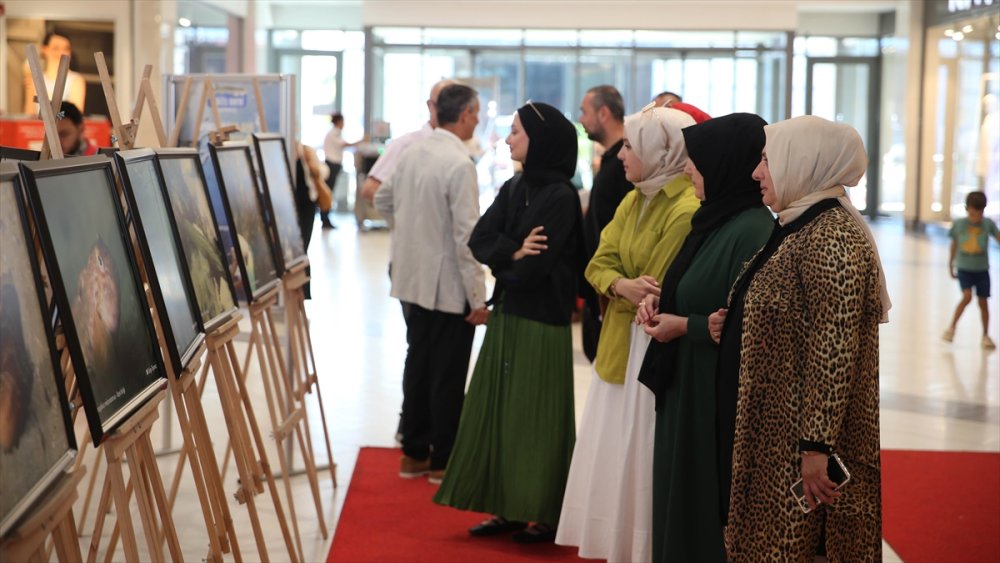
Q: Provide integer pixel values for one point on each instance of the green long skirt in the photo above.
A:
(517, 431)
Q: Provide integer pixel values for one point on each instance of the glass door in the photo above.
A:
(846, 90)
(318, 87)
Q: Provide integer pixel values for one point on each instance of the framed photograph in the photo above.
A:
(246, 210)
(198, 231)
(98, 291)
(13, 154)
(36, 436)
(276, 177)
(162, 254)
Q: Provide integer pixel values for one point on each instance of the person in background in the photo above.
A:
(679, 367)
(432, 204)
(608, 501)
(517, 430)
(54, 46)
(602, 114)
(308, 179)
(666, 99)
(969, 263)
(333, 152)
(70, 127)
(801, 334)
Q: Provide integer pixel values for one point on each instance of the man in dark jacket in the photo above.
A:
(602, 114)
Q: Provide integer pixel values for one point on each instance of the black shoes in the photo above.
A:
(536, 533)
(494, 526)
(523, 533)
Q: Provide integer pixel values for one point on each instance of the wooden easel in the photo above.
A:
(287, 415)
(47, 109)
(303, 360)
(133, 438)
(53, 517)
(245, 438)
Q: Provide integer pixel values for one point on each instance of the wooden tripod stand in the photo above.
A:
(287, 415)
(132, 438)
(52, 518)
(303, 360)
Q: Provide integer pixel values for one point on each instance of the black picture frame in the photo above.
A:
(162, 254)
(97, 287)
(37, 442)
(277, 183)
(14, 154)
(246, 212)
(198, 230)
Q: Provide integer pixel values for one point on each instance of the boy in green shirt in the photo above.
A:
(969, 241)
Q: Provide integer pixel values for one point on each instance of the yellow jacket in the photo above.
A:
(630, 247)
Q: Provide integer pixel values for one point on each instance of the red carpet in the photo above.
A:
(941, 506)
(386, 518)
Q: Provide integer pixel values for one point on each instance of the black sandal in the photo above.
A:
(495, 525)
(535, 533)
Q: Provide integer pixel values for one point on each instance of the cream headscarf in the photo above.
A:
(655, 136)
(811, 159)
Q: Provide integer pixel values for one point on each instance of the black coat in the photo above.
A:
(543, 287)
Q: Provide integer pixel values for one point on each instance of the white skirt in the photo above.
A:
(608, 506)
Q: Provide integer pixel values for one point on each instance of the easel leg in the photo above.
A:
(103, 505)
(173, 543)
(124, 519)
(265, 466)
(154, 545)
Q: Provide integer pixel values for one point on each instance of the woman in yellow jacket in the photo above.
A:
(607, 506)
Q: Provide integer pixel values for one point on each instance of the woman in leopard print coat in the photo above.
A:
(802, 327)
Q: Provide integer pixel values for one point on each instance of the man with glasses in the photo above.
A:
(432, 204)
(602, 114)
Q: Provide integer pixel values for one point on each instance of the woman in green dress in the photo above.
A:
(516, 435)
(729, 227)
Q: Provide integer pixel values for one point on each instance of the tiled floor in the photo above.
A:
(935, 395)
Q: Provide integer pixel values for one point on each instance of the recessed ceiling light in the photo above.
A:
(949, 32)
(967, 29)
(958, 36)
(184, 22)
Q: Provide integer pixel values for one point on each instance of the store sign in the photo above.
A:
(964, 5)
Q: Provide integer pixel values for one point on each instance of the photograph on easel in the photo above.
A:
(161, 250)
(95, 280)
(36, 436)
(199, 234)
(276, 176)
(245, 210)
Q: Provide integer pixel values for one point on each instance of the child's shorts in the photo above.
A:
(979, 280)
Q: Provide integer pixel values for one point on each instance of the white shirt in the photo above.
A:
(386, 164)
(432, 202)
(333, 145)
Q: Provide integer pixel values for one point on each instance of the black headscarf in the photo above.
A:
(725, 150)
(551, 144)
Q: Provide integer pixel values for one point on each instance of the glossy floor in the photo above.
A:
(935, 395)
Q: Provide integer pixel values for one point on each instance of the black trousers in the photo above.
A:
(331, 182)
(437, 362)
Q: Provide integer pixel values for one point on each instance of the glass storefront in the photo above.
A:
(961, 140)
(748, 72)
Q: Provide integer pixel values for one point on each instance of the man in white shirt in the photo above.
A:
(432, 203)
(386, 164)
(333, 152)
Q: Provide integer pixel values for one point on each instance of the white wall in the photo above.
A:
(838, 24)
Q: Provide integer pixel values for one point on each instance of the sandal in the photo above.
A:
(535, 533)
(495, 525)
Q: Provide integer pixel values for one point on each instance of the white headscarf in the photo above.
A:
(655, 136)
(811, 159)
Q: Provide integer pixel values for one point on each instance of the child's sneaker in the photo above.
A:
(988, 343)
(948, 335)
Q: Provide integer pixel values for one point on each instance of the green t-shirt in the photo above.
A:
(973, 240)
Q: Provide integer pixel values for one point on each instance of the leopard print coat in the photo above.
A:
(809, 371)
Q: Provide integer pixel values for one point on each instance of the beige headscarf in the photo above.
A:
(811, 159)
(655, 136)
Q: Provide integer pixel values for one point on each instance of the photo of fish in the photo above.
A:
(199, 234)
(97, 286)
(277, 177)
(36, 439)
(246, 211)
